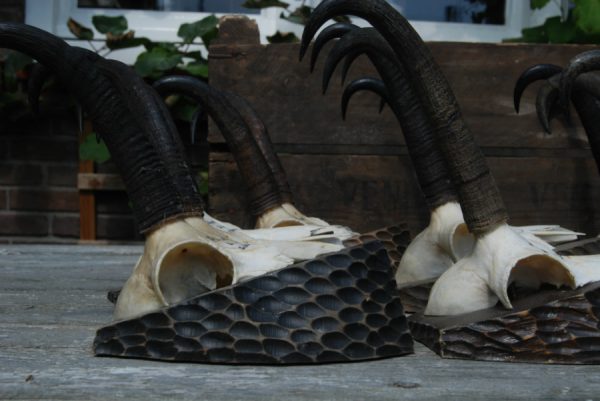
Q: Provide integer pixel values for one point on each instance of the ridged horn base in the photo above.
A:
(552, 327)
(336, 308)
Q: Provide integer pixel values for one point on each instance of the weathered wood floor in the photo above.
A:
(52, 298)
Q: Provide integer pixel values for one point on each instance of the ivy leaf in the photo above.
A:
(184, 109)
(299, 16)
(14, 68)
(587, 15)
(209, 36)
(124, 41)
(206, 27)
(560, 32)
(196, 55)
(156, 61)
(283, 37)
(264, 4)
(80, 31)
(202, 181)
(114, 25)
(91, 149)
(196, 69)
(536, 34)
(537, 4)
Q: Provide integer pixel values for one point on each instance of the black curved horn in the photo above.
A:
(37, 78)
(546, 101)
(428, 161)
(361, 84)
(263, 191)
(160, 187)
(480, 199)
(199, 116)
(331, 32)
(587, 103)
(260, 134)
(534, 73)
(583, 62)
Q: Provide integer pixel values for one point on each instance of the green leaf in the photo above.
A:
(91, 149)
(17, 60)
(209, 36)
(114, 25)
(156, 61)
(299, 16)
(80, 31)
(264, 4)
(197, 69)
(587, 15)
(283, 37)
(184, 109)
(537, 4)
(198, 29)
(124, 41)
(558, 31)
(536, 34)
(13, 69)
(196, 55)
(202, 181)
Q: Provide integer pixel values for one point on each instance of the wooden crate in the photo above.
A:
(357, 172)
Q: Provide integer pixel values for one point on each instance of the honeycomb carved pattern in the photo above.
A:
(565, 330)
(395, 239)
(337, 307)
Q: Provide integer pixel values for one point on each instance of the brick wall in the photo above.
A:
(12, 10)
(39, 200)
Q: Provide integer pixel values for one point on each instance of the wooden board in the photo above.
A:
(370, 191)
(357, 172)
(52, 299)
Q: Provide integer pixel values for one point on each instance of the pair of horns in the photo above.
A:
(399, 92)
(575, 84)
(128, 115)
(231, 113)
(479, 196)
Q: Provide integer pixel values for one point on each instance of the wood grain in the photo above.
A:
(356, 172)
(366, 192)
(53, 298)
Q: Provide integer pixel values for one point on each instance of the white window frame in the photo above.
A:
(51, 15)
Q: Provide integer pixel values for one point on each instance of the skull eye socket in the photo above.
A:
(191, 269)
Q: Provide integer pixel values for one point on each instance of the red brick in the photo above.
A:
(23, 224)
(65, 226)
(44, 149)
(44, 200)
(62, 176)
(21, 174)
(116, 228)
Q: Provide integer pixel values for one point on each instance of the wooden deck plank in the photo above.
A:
(52, 299)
